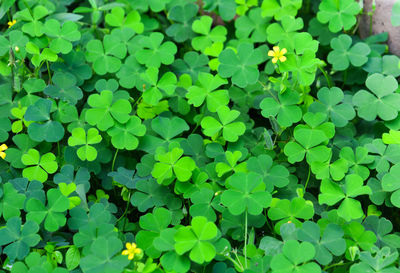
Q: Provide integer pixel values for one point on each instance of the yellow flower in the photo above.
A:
(3, 147)
(277, 54)
(11, 23)
(131, 250)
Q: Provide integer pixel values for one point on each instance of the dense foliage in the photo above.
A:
(197, 136)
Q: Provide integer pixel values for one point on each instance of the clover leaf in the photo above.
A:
(356, 159)
(41, 166)
(154, 52)
(252, 26)
(332, 193)
(33, 25)
(80, 137)
(43, 128)
(226, 8)
(124, 136)
(382, 102)
(205, 90)
(52, 214)
(195, 238)
(344, 53)
(104, 256)
(295, 257)
(203, 26)
(230, 130)
(11, 201)
(340, 14)
(64, 88)
(309, 139)
(39, 57)
(62, 35)
(183, 17)
(284, 30)
(173, 164)
(331, 101)
(285, 210)
(19, 238)
(284, 107)
(232, 159)
(105, 112)
(241, 66)
(380, 261)
(329, 244)
(390, 184)
(246, 192)
(74, 63)
(132, 20)
(156, 88)
(280, 8)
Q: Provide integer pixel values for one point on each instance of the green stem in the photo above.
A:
(327, 77)
(269, 91)
(113, 162)
(308, 178)
(234, 262)
(126, 208)
(48, 71)
(344, 78)
(341, 263)
(245, 239)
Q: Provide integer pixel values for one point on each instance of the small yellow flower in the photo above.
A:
(3, 147)
(277, 54)
(131, 250)
(11, 23)
(16, 49)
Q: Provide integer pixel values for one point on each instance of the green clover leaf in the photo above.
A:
(19, 238)
(246, 192)
(154, 52)
(205, 90)
(331, 101)
(104, 257)
(203, 26)
(295, 257)
(64, 87)
(11, 201)
(355, 160)
(43, 129)
(226, 8)
(156, 88)
(129, 74)
(284, 30)
(52, 214)
(390, 184)
(132, 20)
(196, 239)
(105, 112)
(79, 137)
(280, 8)
(382, 101)
(252, 26)
(33, 27)
(344, 53)
(124, 136)
(62, 35)
(39, 57)
(172, 163)
(232, 159)
(285, 210)
(15, 39)
(380, 261)
(183, 17)
(284, 107)
(241, 66)
(41, 166)
(330, 243)
(341, 14)
(332, 193)
(309, 139)
(230, 130)
(74, 63)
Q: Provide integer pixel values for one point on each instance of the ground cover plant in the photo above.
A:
(197, 136)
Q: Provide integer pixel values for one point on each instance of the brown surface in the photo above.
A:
(381, 23)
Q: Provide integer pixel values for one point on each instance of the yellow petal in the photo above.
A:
(130, 257)
(283, 51)
(274, 60)
(133, 245)
(125, 252)
(271, 53)
(3, 147)
(137, 250)
(2, 155)
(276, 49)
(128, 246)
(282, 59)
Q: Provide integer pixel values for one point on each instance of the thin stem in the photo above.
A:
(48, 71)
(341, 263)
(308, 178)
(113, 162)
(269, 91)
(234, 262)
(126, 209)
(237, 258)
(328, 79)
(245, 238)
